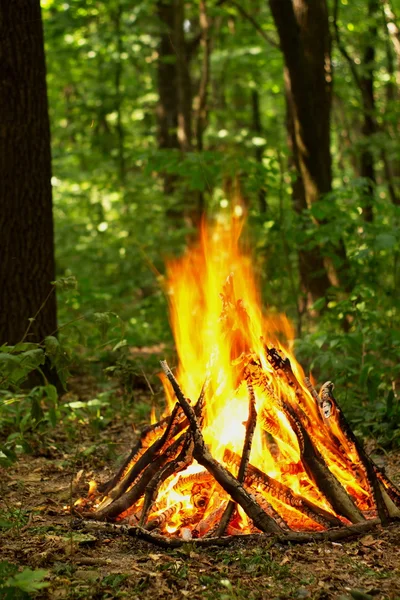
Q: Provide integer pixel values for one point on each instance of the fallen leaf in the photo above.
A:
(367, 540)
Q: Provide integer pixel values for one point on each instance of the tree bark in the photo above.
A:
(259, 150)
(117, 15)
(184, 85)
(369, 127)
(365, 84)
(167, 109)
(394, 32)
(303, 29)
(26, 220)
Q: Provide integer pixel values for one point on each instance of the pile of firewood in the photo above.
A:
(174, 443)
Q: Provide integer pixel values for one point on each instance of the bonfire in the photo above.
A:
(246, 444)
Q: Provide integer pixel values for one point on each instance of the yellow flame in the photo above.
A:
(221, 334)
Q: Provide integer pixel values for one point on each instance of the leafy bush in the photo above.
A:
(19, 585)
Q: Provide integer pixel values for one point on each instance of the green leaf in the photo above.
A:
(76, 404)
(52, 346)
(66, 283)
(319, 304)
(29, 581)
(121, 344)
(9, 362)
(51, 393)
(36, 410)
(385, 241)
(32, 359)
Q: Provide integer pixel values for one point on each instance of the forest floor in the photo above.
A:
(36, 532)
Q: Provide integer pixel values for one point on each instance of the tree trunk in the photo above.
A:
(167, 109)
(184, 85)
(259, 150)
(365, 83)
(26, 220)
(117, 15)
(368, 100)
(392, 167)
(394, 32)
(303, 29)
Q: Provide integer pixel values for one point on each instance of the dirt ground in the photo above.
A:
(37, 531)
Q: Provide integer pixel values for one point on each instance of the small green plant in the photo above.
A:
(13, 519)
(19, 585)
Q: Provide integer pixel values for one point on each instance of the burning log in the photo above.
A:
(291, 537)
(174, 466)
(318, 471)
(276, 489)
(226, 480)
(244, 461)
(333, 414)
(147, 437)
(125, 501)
(260, 496)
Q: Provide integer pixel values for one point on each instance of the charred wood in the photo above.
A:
(203, 456)
(244, 460)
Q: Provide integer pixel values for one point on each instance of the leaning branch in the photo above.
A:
(203, 456)
(333, 535)
(244, 461)
(342, 47)
(251, 20)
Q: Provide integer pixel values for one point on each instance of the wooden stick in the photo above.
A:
(122, 503)
(332, 535)
(314, 464)
(283, 364)
(176, 465)
(136, 452)
(284, 494)
(326, 395)
(318, 471)
(172, 429)
(244, 461)
(203, 456)
(392, 490)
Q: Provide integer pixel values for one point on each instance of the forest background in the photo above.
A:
(164, 110)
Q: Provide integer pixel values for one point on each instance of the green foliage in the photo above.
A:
(114, 225)
(18, 585)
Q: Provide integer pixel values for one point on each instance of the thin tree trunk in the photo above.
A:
(365, 84)
(259, 150)
(369, 128)
(394, 32)
(313, 276)
(201, 100)
(167, 108)
(26, 220)
(392, 167)
(305, 41)
(183, 82)
(118, 94)
(200, 121)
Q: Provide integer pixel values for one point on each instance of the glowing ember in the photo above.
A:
(305, 471)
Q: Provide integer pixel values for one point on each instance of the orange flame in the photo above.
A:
(218, 322)
(221, 335)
